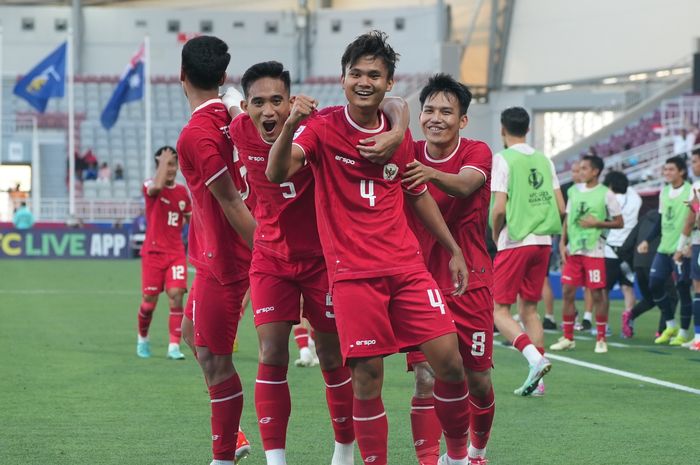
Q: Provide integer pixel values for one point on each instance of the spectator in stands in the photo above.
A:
(105, 173)
(90, 174)
(618, 270)
(23, 218)
(683, 143)
(118, 172)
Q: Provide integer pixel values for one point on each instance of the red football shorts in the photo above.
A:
(588, 272)
(158, 269)
(276, 286)
(473, 317)
(384, 315)
(520, 272)
(215, 310)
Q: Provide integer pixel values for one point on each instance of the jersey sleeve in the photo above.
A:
(208, 163)
(307, 139)
(236, 128)
(612, 204)
(499, 175)
(479, 159)
(146, 184)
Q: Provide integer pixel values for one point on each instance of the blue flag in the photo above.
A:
(45, 80)
(129, 88)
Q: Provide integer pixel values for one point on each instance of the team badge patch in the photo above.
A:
(390, 171)
(181, 204)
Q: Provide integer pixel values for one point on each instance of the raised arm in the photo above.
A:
(158, 183)
(234, 209)
(428, 212)
(286, 159)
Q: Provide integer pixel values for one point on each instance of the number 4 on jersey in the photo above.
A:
(367, 191)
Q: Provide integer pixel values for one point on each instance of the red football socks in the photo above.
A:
(601, 325)
(521, 341)
(568, 327)
(426, 430)
(371, 430)
(226, 407)
(301, 337)
(482, 410)
(145, 317)
(452, 409)
(340, 398)
(175, 324)
(273, 405)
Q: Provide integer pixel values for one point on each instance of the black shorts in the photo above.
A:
(614, 273)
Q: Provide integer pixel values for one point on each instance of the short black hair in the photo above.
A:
(515, 121)
(595, 161)
(680, 164)
(696, 152)
(271, 69)
(448, 85)
(617, 182)
(374, 44)
(204, 61)
(161, 150)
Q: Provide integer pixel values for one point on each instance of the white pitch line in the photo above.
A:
(64, 292)
(624, 374)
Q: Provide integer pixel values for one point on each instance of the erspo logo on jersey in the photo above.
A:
(345, 160)
(254, 158)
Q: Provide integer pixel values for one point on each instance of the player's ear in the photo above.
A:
(292, 99)
(463, 121)
(244, 105)
(390, 84)
(222, 80)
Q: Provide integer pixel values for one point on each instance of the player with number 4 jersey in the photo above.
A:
(384, 298)
(163, 262)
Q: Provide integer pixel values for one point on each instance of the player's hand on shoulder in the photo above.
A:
(416, 174)
(302, 107)
(380, 148)
(460, 274)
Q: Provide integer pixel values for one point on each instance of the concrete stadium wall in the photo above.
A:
(557, 41)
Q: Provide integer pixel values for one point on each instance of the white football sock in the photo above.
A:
(142, 339)
(275, 457)
(532, 355)
(343, 454)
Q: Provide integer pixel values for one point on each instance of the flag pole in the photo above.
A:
(36, 170)
(71, 125)
(147, 104)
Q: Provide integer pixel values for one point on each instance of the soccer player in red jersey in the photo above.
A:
(221, 228)
(384, 298)
(288, 264)
(163, 262)
(457, 172)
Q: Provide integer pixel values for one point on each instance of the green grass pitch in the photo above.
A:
(72, 390)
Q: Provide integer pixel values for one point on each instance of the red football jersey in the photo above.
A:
(359, 204)
(205, 152)
(165, 217)
(285, 213)
(466, 217)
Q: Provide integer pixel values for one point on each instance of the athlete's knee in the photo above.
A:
(449, 368)
(425, 380)
(367, 375)
(272, 353)
(328, 351)
(175, 297)
(479, 382)
(216, 368)
(150, 299)
(569, 292)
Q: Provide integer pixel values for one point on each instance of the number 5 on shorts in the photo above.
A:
(478, 343)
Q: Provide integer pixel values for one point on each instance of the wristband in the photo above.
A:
(682, 242)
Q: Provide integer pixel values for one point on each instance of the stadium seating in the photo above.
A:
(124, 143)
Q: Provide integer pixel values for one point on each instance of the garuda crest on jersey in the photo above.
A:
(390, 171)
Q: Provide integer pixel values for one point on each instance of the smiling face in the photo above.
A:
(440, 119)
(366, 82)
(268, 105)
(587, 172)
(672, 174)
